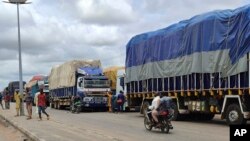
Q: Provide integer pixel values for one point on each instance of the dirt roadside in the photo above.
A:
(9, 133)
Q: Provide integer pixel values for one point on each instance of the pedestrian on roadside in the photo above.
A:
(18, 102)
(28, 100)
(109, 94)
(7, 100)
(1, 99)
(36, 101)
(42, 104)
(113, 102)
(120, 101)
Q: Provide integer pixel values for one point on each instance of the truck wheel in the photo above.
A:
(78, 109)
(52, 105)
(234, 115)
(56, 105)
(144, 107)
(177, 116)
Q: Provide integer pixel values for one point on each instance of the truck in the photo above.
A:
(5, 90)
(112, 74)
(12, 87)
(203, 63)
(38, 82)
(115, 74)
(81, 78)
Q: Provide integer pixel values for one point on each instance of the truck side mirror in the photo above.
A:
(122, 82)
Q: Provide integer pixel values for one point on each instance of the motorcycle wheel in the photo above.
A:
(78, 109)
(147, 124)
(165, 127)
(72, 109)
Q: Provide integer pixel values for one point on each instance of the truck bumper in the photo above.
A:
(95, 105)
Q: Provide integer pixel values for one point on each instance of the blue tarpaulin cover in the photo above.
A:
(217, 41)
(91, 70)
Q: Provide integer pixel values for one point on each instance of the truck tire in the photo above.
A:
(177, 116)
(234, 115)
(52, 105)
(57, 105)
(144, 106)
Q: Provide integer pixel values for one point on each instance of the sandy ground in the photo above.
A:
(9, 133)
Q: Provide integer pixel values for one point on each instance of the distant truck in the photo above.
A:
(12, 87)
(5, 90)
(203, 63)
(79, 78)
(38, 82)
(116, 75)
(111, 73)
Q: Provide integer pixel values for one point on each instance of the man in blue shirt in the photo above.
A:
(120, 101)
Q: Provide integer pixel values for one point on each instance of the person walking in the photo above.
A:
(28, 100)
(36, 101)
(7, 100)
(42, 104)
(18, 102)
(113, 103)
(1, 99)
(120, 101)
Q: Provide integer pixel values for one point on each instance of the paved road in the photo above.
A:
(95, 126)
(129, 127)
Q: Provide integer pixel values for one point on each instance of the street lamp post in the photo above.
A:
(18, 2)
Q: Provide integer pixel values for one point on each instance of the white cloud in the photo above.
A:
(105, 12)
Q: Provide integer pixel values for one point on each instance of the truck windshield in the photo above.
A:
(46, 87)
(96, 84)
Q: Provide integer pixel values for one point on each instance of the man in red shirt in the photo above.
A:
(7, 100)
(41, 104)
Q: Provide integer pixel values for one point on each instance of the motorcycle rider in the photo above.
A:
(154, 107)
(75, 100)
(167, 104)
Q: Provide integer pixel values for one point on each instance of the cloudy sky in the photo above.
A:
(55, 31)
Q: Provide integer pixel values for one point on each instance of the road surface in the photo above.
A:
(129, 127)
(104, 126)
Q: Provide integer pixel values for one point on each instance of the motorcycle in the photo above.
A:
(76, 107)
(164, 119)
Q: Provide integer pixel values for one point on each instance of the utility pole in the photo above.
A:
(18, 2)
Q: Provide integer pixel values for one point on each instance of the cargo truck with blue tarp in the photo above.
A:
(79, 78)
(203, 63)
